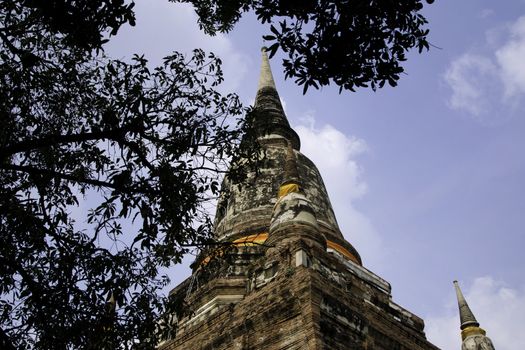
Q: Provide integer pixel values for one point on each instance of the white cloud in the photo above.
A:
(486, 13)
(335, 155)
(500, 310)
(490, 85)
(163, 27)
(467, 77)
(511, 58)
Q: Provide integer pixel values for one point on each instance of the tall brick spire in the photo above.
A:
(466, 316)
(269, 117)
(250, 209)
(473, 336)
(266, 76)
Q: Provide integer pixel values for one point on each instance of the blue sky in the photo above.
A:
(426, 179)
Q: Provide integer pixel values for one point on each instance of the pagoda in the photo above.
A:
(293, 281)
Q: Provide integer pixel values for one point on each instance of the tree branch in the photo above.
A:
(69, 177)
(50, 140)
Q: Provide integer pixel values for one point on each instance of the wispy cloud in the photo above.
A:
(469, 77)
(499, 309)
(511, 60)
(490, 84)
(486, 13)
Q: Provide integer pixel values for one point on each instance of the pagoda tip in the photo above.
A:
(265, 77)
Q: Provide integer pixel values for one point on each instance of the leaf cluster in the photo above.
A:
(353, 44)
(82, 22)
(141, 148)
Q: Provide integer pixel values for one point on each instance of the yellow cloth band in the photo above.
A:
(260, 238)
(250, 240)
(472, 330)
(289, 188)
(339, 248)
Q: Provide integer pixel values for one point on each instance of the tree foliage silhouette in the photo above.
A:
(353, 44)
(142, 146)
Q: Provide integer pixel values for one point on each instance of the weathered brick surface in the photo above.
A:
(321, 306)
(249, 207)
